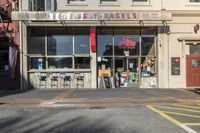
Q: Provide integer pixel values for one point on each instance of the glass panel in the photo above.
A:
(82, 62)
(104, 46)
(148, 46)
(126, 45)
(82, 44)
(37, 41)
(39, 5)
(4, 62)
(196, 63)
(60, 62)
(60, 42)
(148, 66)
(49, 5)
(195, 49)
(37, 63)
(104, 63)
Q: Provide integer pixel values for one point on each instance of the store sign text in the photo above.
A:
(98, 15)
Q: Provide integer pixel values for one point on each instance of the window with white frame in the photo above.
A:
(140, 1)
(75, 1)
(107, 1)
(42, 5)
(193, 1)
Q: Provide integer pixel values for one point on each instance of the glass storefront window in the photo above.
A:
(37, 63)
(126, 45)
(104, 63)
(59, 62)
(82, 62)
(81, 44)
(60, 45)
(147, 46)
(60, 42)
(147, 66)
(36, 41)
(105, 47)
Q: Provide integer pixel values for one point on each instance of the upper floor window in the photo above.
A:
(107, 1)
(75, 1)
(42, 5)
(141, 1)
(194, 0)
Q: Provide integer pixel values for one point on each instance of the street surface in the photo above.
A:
(100, 111)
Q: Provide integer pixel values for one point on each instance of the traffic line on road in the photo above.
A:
(186, 106)
(182, 114)
(74, 99)
(118, 98)
(163, 114)
(188, 129)
(64, 94)
(28, 99)
(173, 108)
(192, 124)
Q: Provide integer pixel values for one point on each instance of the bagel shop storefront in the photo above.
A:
(90, 49)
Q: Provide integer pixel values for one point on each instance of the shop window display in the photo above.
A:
(133, 58)
(64, 62)
(148, 66)
(61, 49)
(82, 62)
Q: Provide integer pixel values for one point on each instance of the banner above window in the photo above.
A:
(96, 15)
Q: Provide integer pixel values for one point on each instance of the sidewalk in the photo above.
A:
(99, 96)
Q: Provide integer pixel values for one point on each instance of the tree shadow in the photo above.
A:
(50, 123)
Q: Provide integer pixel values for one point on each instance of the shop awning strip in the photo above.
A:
(189, 38)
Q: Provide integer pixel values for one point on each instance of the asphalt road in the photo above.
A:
(84, 120)
(100, 111)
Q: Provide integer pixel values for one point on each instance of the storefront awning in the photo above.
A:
(189, 38)
(92, 16)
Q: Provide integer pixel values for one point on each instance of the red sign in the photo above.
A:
(93, 39)
(126, 43)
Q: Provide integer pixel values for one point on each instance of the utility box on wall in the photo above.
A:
(175, 65)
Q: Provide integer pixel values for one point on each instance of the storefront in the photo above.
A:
(60, 57)
(127, 55)
(91, 49)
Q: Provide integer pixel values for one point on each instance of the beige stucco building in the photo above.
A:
(109, 43)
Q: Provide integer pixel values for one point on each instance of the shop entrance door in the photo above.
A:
(126, 72)
(193, 70)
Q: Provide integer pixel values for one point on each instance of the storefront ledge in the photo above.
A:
(189, 38)
(60, 70)
(197, 4)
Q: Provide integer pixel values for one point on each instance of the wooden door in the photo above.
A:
(193, 70)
